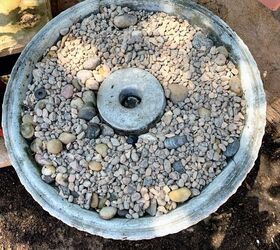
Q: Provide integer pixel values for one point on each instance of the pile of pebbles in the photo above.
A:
(133, 175)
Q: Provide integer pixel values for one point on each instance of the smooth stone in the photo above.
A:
(122, 213)
(152, 209)
(67, 91)
(93, 131)
(148, 181)
(167, 118)
(232, 148)
(125, 20)
(77, 103)
(94, 200)
(132, 139)
(92, 84)
(66, 138)
(41, 160)
(235, 85)
(180, 195)
(201, 40)
(54, 146)
(108, 213)
(84, 75)
(91, 63)
(101, 149)
(223, 50)
(95, 166)
(64, 31)
(204, 113)
(27, 118)
(47, 178)
(102, 201)
(178, 167)
(61, 180)
(48, 170)
(107, 131)
(76, 84)
(175, 142)
(101, 73)
(27, 130)
(220, 60)
(36, 145)
(148, 137)
(178, 93)
(89, 97)
(87, 112)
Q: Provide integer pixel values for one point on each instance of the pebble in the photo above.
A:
(84, 75)
(108, 213)
(36, 145)
(125, 21)
(93, 131)
(132, 139)
(95, 166)
(27, 130)
(91, 63)
(200, 40)
(180, 195)
(48, 170)
(66, 137)
(67, 91)
(92, 84)
(178, 93)
(87, 112)
(122, 213)
(54, 146)
(235, 85)
(107, 131)
(148, 137)
(167, 118)
(101, 149)
(152, 209)
(134, 156)
(77, 103)
(220, 60)
(175, 142)
(232, 149)
(178, 167)
(101, 73)
(204, 112)
(64, 31)
(27, 118)
(89, 97)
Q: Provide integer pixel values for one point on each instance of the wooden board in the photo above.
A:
(4, 158)
(20, 20)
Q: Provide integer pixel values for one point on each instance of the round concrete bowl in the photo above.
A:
(189, 213)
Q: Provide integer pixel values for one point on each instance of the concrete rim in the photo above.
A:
(198, 208)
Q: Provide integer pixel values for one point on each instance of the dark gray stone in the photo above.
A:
(87, 112)
(232, 149)
(93, 131)
(178, 167)
(175, 142)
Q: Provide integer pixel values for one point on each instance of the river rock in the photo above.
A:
(204, 113)
(180, 195)
(54, 146)
(27, 118)
(232, 149)
(84, 75)
(94, 200)
(148, 137)
(101, 149)
(27, 130)
(36, 145)
(87, 112)
(175, 142)
(101, 72)
(108, 213)
(235, 85)
(200, 40)
(95, 166)
(125, 20)
(89, 97)
(77, 103)
(91, 63)
(152, 209)
(67, 91)
(178, 93)
(93, 131)
(107, 131)
(48, 170)
(92, 84)
(178, 167)
(66, 137)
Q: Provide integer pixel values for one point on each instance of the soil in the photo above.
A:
(250, 219)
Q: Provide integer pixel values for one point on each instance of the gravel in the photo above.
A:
(131, 176)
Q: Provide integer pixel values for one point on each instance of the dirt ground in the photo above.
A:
(249, 220)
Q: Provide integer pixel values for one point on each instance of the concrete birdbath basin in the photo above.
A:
(212, 196)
